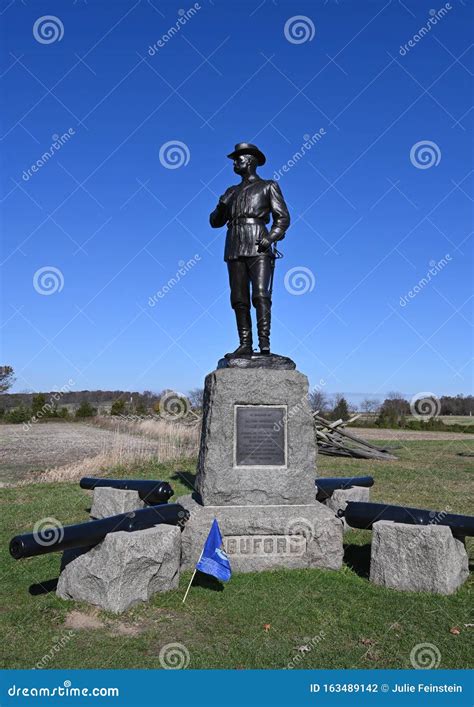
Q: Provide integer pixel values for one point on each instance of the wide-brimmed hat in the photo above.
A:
(246, 148)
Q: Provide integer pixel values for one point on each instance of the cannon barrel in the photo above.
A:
(54, 538)
(326, 486)
(363, 515)
(149, 490)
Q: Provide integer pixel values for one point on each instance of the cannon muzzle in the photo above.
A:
(363, 515)
(326, 486)
(149, 490)
(55, 538)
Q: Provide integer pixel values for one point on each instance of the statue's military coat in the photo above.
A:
(255, 199)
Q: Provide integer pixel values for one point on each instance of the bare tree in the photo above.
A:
(7, 378)
(195, 397)
(318, 400)
(370, 405)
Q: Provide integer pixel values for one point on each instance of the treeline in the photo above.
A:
(29, 408)
(76, 398)
(420, 413)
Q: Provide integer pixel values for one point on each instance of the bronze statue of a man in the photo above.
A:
(249, 246)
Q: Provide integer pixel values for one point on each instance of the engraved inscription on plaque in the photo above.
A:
(260, 435)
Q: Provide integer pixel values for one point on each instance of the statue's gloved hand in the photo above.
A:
(264, 244)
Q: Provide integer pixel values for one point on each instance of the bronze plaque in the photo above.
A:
(260, 435)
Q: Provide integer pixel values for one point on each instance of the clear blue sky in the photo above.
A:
(115, 222)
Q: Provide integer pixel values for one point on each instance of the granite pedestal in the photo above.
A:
(257, 442)
(256, 471)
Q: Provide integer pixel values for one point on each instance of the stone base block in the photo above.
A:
(124, 569)
(110, 502)
(417, 558)
(265, 537)
(339, 498)
(257, 442)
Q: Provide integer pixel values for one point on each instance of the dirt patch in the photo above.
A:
(79, 621)
(83, 621)
(122, 629)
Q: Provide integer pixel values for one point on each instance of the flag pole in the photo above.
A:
(191, 580)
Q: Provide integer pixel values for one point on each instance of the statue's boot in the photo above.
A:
(263, 308)
(244, 327)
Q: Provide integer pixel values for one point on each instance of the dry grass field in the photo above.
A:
(61, 451)
(404, 434)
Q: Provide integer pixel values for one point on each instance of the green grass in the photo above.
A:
(255, 620)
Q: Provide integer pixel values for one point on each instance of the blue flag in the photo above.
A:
(213, 560)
